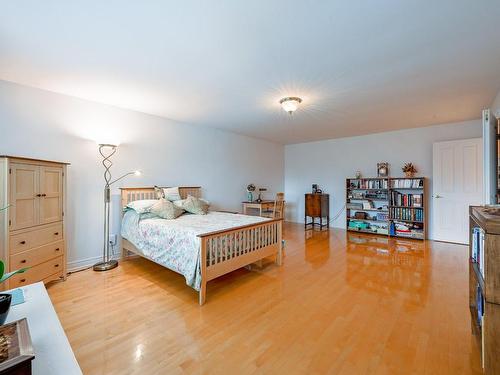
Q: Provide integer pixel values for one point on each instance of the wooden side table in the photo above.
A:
(317, 206)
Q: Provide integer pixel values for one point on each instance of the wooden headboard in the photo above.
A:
(140, 193)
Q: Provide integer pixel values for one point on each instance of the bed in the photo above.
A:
(200, 247)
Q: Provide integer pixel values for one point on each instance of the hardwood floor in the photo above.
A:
(342, 303)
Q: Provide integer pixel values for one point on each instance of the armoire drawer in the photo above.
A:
(37, 273)
(35, 237)
(37, 255)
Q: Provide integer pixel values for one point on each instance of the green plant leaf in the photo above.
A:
(10, 274)
(2, 269)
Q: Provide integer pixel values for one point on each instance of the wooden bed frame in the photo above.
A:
(222, 251)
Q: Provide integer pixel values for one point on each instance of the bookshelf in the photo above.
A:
(484, 284)
(394, 207)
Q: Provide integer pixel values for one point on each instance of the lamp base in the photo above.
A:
(105, 266)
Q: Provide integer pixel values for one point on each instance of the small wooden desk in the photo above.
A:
(261, 206)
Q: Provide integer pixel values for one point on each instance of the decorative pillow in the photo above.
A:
(159, 192)
(171, 194)
(166, 209)
(194, 205)
(141, 206)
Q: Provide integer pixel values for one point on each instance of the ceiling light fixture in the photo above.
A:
(290, 103)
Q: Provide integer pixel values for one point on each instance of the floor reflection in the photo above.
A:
(387, 265)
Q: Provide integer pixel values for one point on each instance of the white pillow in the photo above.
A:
(172, 193)
(142, 206)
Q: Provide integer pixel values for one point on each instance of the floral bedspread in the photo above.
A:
(174, 243)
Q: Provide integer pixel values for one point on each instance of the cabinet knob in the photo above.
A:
(39, 195)
(56, 233)
(44, 195)
(23, 261)
(22, 280)
(22, 242)
(57, 249)
(56, 265)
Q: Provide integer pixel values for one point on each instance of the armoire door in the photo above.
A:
(24, 184)
(51, 200)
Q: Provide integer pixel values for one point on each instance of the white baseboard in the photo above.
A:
(83, 263)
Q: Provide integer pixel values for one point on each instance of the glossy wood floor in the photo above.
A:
(342, 303)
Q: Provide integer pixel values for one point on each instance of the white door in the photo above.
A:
(457, 184)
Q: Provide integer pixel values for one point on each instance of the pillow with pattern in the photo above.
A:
(159, 192)
(171, 194)
(166, 209)
(193, 205)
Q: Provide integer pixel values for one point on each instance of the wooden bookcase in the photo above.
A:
(390, 206)
(484, 285)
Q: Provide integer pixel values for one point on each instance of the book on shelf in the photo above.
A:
(477, 252)
(368, 184)
(409, 200)
(406, 183)
(479, 305)
(411, 214)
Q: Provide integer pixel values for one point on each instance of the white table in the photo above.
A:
(53, 354)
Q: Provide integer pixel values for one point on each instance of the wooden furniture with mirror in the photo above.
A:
(484, 284)
(317, 207)
(32, 227)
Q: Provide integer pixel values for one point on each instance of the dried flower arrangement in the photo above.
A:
(409, 169)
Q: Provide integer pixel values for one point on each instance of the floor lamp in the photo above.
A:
(107, 151)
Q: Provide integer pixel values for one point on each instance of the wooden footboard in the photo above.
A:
(225, 251)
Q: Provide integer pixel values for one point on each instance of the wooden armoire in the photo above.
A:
(32, 228)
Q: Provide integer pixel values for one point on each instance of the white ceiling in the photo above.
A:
(360, 66)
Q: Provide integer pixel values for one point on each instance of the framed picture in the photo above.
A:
(383, 169)
(15, 347)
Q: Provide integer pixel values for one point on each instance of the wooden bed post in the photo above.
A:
(279, 255)
(203, 266)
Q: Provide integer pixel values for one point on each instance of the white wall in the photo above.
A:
(495, 106)
(328, 163)
(40, 124)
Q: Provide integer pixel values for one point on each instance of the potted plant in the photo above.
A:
(409, 170)
(6, 298)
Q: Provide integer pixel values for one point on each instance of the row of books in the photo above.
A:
(406, 214)
(409, 200)
(478, 248)
(407, 183)
(368, 184)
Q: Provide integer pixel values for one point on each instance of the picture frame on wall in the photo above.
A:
(383, 169)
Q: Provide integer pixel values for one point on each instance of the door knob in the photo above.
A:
(438, 196)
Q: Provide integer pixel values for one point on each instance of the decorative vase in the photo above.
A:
(250, 196)
(409, 174)
(5, 300)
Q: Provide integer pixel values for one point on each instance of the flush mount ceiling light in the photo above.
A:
(290, 103)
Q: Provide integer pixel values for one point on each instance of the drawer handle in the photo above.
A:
(23, 261)
(39, 195)
(56, 265)
(22, 280)
(56, 233)
(22, 242)
(44, 195)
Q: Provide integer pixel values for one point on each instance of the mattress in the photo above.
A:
(175, 244)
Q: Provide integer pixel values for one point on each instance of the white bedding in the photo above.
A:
(175, 243)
